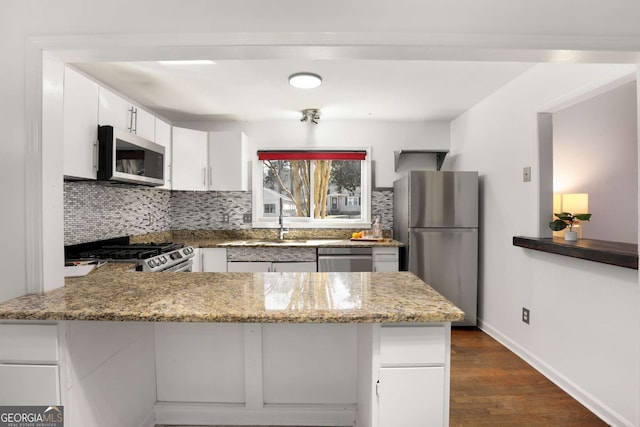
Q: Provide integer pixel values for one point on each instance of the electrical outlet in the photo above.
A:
(526, 174)
(225, 218)
(246, 217)
(525, 315)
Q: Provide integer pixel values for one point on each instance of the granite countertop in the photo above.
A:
(113, 293)
(313, 243)
(264, 238)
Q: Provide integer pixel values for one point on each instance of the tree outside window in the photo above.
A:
(316, 188)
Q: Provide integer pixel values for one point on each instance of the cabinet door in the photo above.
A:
(28, 343)
(189, 169)
(307, 266)
(29, 385)
(385, 259)
(163, 137)
(144, 124)
(411, 397)
(249, 267)
(228, 161)
(213, 260)
(114, 110)
(80, 126)
(196, 267)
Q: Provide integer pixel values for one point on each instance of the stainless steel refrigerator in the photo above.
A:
(435, 214)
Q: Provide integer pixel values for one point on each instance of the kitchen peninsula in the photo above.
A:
(131, 348)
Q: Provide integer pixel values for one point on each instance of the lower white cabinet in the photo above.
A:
(266, 266)
(287, 267)
(29, 385)
(411, 396)
(249, 267)
(385, 259)
(412, 385)
(213, 260)
(29, 372)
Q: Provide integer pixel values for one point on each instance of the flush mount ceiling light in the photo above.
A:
(305, 80)
(311, 115)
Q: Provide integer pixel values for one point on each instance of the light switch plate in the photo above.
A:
(526, 174)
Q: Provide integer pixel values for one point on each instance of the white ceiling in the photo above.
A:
(253, 90)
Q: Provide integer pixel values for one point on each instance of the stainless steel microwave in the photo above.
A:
(126, 157)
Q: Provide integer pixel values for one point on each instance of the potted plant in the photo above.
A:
(566, 219)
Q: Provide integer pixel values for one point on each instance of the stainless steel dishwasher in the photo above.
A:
(345, 259)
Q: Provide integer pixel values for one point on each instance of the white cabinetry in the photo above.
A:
(163, 137)
(200, 362)
(189, 169)
(196, 266)
(214, 161)
(28, 365)
(306, 266)
(120, 113)
(213, 260)
(411, 396)
(385, 259)
(228, 161)
(267, 267)
(80, 126)
(412, 385)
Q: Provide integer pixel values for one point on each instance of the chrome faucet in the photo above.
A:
(283, 230)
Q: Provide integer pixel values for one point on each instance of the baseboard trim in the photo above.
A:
(150, 420)
(602, 410)
(239, 414)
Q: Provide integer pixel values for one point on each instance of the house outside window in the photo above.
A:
(316, 189)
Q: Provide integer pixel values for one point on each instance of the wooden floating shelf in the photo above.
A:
(604, 251)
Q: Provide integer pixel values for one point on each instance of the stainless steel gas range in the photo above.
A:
(149, 257)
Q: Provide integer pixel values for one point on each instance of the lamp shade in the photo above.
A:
(576, 203)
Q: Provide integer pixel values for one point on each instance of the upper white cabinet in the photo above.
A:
(189, 160)
(80, 126)
(120, 113)
(163, 137)
(228, 168)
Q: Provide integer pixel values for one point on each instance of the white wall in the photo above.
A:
(382, 136)
(595, 151)
(585, 326)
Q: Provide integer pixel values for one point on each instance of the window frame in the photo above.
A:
(260, 221)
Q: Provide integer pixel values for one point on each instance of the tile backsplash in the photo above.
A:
(96, 211)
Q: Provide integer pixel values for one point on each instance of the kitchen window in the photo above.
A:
(312, 189)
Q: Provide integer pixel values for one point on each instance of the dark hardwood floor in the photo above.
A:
(491, 386)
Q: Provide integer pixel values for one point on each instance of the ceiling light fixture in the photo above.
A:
(311, 114)
(305, 80)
